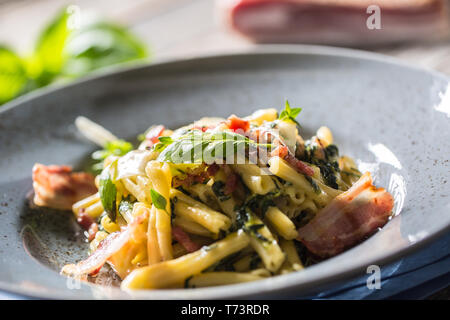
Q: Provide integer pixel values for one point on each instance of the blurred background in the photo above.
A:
(46, 41)
(170, 27)
(186, 27)
(43, 42)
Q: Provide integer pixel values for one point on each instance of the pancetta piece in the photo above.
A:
(110, 246)
(184, 239)
(59, 188)
(347, 219)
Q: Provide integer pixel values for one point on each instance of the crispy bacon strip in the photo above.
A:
(96, 260)
(299, 165)
(348, 219)
(184, 239)
(59, 188)
(108, 247)
(280, 151)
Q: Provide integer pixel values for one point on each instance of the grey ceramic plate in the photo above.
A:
(393, 118)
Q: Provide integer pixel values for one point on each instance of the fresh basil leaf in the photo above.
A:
(101, 44)
(13, 77)
(158, 200)
(162, 144)
(199, 147)
(108, 192)
(165, 140)
(290, 114)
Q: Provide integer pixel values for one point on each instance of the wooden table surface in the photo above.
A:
(173, 28)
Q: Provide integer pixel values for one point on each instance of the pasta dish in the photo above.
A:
(219, 201)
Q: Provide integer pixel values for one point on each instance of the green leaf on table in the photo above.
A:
(99, 45)
(13, 77)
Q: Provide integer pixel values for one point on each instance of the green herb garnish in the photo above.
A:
(290, 114)
(116, 148)
(251, 225)
(158, 200)
(64, 51)
(108, 192)
(163, 143)
(260, 203)
(204, 147)
(327, 161)
(217, 188)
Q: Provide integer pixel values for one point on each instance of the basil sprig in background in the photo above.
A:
(61, 53)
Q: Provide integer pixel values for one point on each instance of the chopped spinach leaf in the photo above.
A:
(314, 185)
(217, 188)
(246, 221)
(255, 260)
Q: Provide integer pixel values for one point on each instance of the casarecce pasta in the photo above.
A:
(217, 202)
